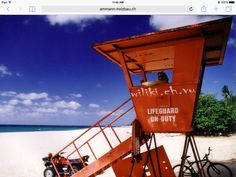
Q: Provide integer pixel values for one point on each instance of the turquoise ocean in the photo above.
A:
(32, 128)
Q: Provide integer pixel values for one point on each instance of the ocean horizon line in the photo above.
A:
(5, 128)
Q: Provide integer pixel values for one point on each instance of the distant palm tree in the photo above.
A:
(225, 92)
(229, 97)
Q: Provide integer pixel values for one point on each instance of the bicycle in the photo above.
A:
(214, 169)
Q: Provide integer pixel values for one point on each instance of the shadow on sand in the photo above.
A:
(231, 164)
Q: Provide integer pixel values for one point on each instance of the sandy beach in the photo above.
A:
(21, 153)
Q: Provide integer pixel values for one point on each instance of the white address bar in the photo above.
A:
(117, 9)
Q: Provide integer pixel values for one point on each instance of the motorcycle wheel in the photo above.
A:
(49, 172)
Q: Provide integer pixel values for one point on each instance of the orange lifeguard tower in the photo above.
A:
(168, 107)
(183, 53)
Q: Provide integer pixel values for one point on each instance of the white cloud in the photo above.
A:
(4, 71)
(166, 22)
(70, 112)
(32, 96)
(13, 102)
(35, 105)
(92, 105)
(27, 102)
(48, 99)
(45, 103)
(6, 108)
(8, 93)
(33, 114)
(19, 74)
(80, 20)
(76, 95)
(68, 105)
(46, 110)
(103, 113)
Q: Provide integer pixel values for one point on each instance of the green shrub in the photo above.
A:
(213, 115)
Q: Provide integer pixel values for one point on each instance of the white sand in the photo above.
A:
(21, 153)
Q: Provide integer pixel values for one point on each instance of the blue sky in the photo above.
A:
(49, 73)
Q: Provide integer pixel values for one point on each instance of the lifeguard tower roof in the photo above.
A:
(153, 51)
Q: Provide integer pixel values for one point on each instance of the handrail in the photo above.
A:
(103, 118)
(102, 128)
(113, 121)
(109, 125)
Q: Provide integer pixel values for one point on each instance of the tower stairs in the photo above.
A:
(115, 147)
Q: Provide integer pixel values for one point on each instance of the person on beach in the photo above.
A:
(162, 78)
